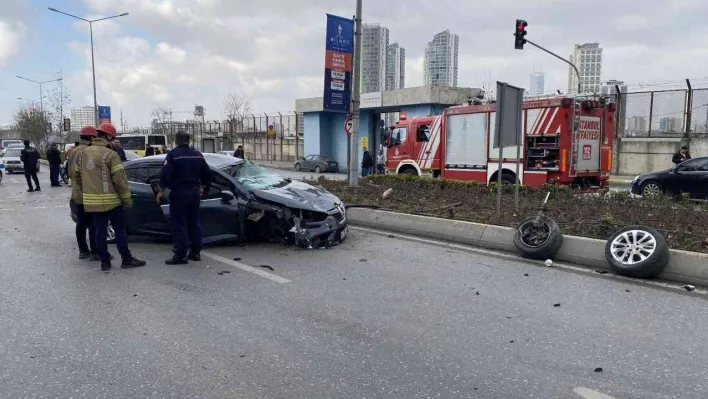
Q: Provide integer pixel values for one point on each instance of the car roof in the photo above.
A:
(214, 160)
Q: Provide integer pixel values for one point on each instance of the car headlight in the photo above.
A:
(635, 179)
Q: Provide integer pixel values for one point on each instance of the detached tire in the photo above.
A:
(637, 251)
(538, 242)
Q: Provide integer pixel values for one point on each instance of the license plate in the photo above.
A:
(343, 233)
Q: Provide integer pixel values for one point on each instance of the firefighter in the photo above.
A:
(100, 177)
(186, 174)
(85, 220)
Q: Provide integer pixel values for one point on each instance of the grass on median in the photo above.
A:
(683, 223)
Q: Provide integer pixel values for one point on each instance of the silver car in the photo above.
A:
(12, 160)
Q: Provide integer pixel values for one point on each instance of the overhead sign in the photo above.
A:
(370, 100)
(507, 131)
(338, 64)
(348, 126)
(271, 130)
(104, 114)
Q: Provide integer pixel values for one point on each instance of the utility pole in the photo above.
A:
(354, 145)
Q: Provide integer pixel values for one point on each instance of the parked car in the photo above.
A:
(245, 201)
(12, 144)
(12, 160)
(317, 163)
(690, 177)
(2, 169)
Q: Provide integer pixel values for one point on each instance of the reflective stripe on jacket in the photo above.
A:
(71, 165)
(100, 177)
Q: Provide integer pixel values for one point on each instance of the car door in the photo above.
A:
(309, 164)
(145, 216)
(693, 177)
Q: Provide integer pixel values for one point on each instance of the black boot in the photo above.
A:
(95, 258)
(195, 256)
(85, 255)
(177, 260)
(105, 266)
(131, 263)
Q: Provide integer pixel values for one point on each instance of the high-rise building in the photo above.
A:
(670, 125)
(440, 67)
(588, 58)
(537, 82)
(395, 67)
(82, 116)
(636, 126)
(374, 51)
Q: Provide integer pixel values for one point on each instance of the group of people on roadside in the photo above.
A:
(368, 162)
(100, 193)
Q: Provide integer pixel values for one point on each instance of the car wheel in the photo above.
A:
(110, 234)
(318, 169)
(637, 251)
(298, 167)
(651, 188)
(538, 239)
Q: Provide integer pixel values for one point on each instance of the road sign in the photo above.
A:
(348, 126)
(104, 114)
(271, 130)
(364, 142)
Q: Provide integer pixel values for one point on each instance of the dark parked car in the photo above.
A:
(690, 177)
(245, 201)
(317, 163)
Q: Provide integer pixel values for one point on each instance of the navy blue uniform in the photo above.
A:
(183, 171)
(30, 158)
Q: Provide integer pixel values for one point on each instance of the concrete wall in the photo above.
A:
(270, 149)
(634, 156)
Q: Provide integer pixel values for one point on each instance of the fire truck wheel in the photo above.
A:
(508, 178)
(408, 171)
(538, 238)
(637, 251)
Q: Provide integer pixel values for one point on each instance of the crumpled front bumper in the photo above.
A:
(330, 231)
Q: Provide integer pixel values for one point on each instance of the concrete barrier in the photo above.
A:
(683, 267)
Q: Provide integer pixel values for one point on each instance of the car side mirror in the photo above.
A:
(227, 196)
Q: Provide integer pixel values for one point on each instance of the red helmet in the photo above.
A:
(88, 131)
(108, 129)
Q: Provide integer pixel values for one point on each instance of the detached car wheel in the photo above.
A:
(538, 238)
(637, 251)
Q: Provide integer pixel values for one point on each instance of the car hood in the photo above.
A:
(653, 175)
(301, 196)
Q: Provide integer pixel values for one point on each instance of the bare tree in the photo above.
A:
(59, 103)
(237, 107)
(161, 122)
(32, 125)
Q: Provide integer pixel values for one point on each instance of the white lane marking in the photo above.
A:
(6, 209)
(588, 393)
(246, 268)
(515, 258)
(37, 207)
(61, 206)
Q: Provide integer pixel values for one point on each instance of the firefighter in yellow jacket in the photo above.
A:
(100, 177)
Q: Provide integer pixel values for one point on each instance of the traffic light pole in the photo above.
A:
(560, 58)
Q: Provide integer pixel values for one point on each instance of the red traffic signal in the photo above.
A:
(519, 40)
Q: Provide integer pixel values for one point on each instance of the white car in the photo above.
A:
(2, 169)
(12, 161)
(229, 153)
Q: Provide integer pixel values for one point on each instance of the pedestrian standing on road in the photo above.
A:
(115, 145)
(54, 159)
(186, 174)
(149, 151)
(30, 159)
(100, 177)
(367, 162)
(239, 152)
(681, 156)
(85, 220)
(381, 162)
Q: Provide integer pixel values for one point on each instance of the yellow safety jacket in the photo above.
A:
(76, 194)
(100, 177)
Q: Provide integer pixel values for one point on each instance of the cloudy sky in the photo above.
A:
(179, 53)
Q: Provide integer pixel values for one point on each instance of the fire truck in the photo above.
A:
(566, 141)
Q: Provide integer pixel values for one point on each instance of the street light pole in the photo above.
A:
(41, 97)
(93, 62)
(356, 113)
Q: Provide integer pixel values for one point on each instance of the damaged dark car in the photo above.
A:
(245, 202)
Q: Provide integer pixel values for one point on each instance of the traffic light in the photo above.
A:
(520, 33)
(67, 124)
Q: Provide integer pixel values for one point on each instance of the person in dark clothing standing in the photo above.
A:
(681, 156)
(149, 151)
(30, 158)
(186, 174)
(239, 152)
(115, 145)
(367, 163)
(54, 159)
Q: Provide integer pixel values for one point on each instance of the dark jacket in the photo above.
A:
(54, 156)
(367, 160)
(238, 153)
(184, 170)
(121, 153)
(678, 157)
(149, 151)
(30, 158)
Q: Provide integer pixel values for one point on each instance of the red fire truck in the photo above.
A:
(566, 140)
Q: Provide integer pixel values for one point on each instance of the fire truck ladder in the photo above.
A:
(574, 143)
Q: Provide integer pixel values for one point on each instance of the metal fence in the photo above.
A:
(264, 137)
(674, 113)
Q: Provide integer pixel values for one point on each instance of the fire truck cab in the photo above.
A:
(566, 140)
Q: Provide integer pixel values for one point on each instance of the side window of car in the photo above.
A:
(309, 158)
(137, 175)
(218, 184)
(692, 165)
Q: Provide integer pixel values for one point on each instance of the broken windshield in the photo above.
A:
(255, 177)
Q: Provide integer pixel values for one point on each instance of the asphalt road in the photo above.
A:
(379, 316)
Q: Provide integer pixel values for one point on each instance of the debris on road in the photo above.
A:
(556, 305)
(221, 273)
(387, 193)
(601, 271)
(526, 274)
(548, 262)
(135, 294)
(627, 291)
(391, 236)
(363, 260)
(268, 267)
(689, 288)
(598, 369)
(237, 259)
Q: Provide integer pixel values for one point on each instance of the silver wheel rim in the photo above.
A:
(111, 233)
(651, 189)
(633, 246)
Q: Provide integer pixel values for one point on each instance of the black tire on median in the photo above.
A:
(654, 262)
(545, 248)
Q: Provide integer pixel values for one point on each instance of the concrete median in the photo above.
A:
(684, 267)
